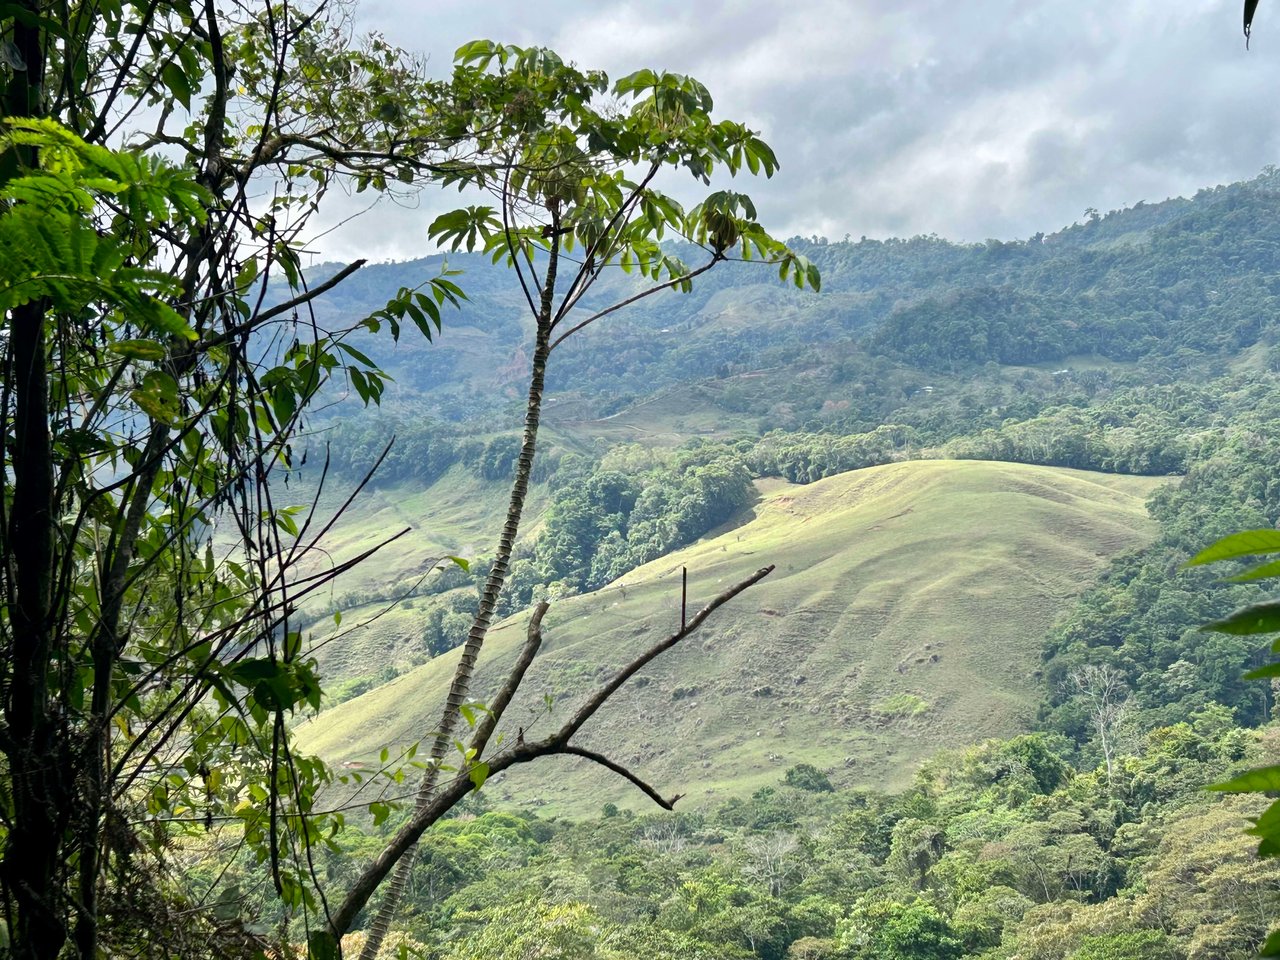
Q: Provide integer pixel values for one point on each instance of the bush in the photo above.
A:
(805, 776)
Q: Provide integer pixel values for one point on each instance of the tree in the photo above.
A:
(805, 776)
(157, 370)
(158, 358)
(1106, 698)
(886, 929)
(571, 166)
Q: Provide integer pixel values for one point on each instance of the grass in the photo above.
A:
(457, 515)
(915, 590)
(902, 706)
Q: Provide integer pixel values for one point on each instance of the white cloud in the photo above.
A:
(990, 118)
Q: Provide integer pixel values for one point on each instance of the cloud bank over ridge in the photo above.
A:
(989, 118)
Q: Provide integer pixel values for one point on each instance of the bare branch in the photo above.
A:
(447, 794)
(533, 640)
(622, 771)
(231, 333)
(588, 709)
(666, 285)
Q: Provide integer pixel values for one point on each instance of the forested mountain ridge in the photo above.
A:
(1175, 284)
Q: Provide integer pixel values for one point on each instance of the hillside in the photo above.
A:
(906, 613)
(1131, 296)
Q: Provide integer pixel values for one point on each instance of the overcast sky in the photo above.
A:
(966, 118)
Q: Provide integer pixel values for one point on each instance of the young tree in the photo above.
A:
(572, 172)
(159, 358)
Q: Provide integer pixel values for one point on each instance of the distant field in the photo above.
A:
(905, 614)
(666, 420)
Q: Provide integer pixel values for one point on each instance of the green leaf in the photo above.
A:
(138, 349)
(1252, 781)
(355, 354)
(1247, 543)
(1271, 948)
(157, 397)
(1260, 618)
(177, 83)
(1262, 572)
(1262, 673)
(464, 564)
(320, 945)
(479, 773)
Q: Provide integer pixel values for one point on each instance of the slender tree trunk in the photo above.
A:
(106, 644)
(460, 688)
(38, 751)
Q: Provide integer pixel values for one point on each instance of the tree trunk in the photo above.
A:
(461, 685)
(37, 750)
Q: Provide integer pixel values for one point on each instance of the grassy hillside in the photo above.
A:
(457, 515)
(906, 613)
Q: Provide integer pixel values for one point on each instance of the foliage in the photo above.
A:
(805, 776)
(1258, 619)
(147, 674)
(1015, 856)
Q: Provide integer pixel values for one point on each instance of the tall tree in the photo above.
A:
(573, 167)
(152, 383)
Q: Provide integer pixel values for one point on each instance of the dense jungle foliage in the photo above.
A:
(1001, 851)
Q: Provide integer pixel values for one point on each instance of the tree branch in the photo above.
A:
(226, 336)
(533, 640)
(447, 794)
(666, 285)
(588, 709)
(623, 772)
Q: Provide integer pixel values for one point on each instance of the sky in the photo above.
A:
(970, 119)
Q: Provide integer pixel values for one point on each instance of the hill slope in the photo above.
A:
(905, 614)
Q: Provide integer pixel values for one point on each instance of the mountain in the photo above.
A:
(1137, 295)
(905, 614)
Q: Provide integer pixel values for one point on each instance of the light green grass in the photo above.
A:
(904, 705)
(458, 515)
(930, 579)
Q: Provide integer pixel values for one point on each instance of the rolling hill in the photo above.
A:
(906, 613)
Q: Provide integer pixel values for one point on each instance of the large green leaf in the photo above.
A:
(1252, 781)
(1260, 618)
(1246, 543)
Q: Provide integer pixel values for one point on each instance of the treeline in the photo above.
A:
(1142, 620)
(1002, 851)
(420, 450)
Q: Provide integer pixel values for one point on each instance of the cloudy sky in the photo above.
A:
(966, 118)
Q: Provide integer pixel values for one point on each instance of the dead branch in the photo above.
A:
(622, 771)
